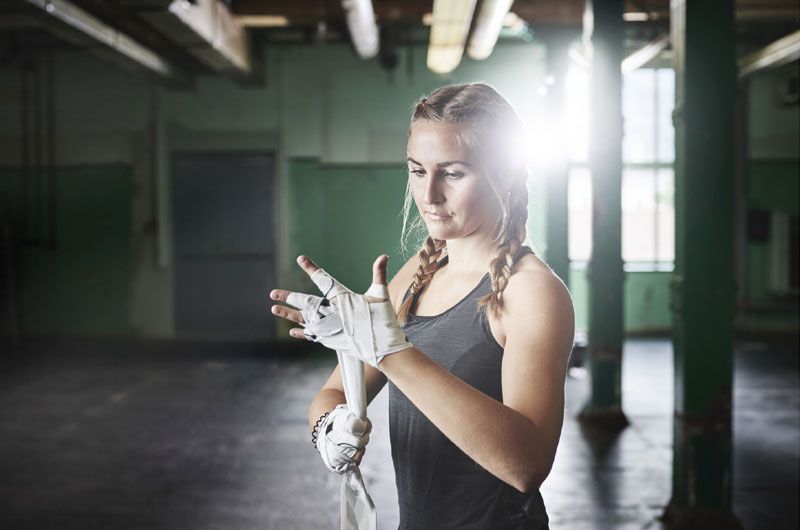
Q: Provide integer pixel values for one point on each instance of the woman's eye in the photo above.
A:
(417, 172)
(453, 174)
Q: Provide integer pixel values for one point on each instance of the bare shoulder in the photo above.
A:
(536, 300)
(401, 281)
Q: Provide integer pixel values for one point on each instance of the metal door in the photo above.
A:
(223, 245)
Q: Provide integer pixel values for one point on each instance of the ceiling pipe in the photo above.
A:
(363, 30)
(78, 19)
(487, 29)
(449, 27)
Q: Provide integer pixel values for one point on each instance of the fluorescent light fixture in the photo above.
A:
(487, 28)
(449, 27)
(361, 23)
(263, 21)
(635, 16)
(86, 23)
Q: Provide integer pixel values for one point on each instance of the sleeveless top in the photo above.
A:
(438, 485)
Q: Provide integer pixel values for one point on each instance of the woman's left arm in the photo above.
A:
(514, 440)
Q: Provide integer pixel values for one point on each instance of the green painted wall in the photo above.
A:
(82, 286)
(646, 301)
(345, 216)
(772, 183)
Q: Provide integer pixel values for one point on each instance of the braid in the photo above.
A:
(428, 265)
(513, 230)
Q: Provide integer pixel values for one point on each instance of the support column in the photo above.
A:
(703, 281)
(605, 265)
(556, 184)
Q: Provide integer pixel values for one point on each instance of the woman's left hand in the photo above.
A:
(364, 326)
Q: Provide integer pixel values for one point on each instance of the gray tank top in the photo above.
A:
(438, 485)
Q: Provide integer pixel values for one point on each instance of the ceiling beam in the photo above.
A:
(780, 52)
(69, 14)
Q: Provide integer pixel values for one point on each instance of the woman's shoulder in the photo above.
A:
(534, 287)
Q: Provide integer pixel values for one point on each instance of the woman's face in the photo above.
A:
(451, 194)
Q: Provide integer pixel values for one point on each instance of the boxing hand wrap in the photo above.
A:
(340, 436)
(370, 329)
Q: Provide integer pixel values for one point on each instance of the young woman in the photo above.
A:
(476, 394)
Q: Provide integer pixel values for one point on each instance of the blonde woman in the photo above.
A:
(474, 338)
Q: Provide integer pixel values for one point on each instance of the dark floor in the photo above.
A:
(116, 435)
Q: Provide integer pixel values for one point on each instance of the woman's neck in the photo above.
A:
(470, 254)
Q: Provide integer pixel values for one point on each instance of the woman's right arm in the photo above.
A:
(332, 392)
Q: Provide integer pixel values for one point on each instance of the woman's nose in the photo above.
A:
(432, 193)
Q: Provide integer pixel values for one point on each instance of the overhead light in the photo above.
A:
(427, 18)
(449, 28)
(487, 28)
(361, 23)
(263, 21)
(635, 16)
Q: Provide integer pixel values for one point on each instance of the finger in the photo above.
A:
(307, 265)
(289, 314)
(279, 294)
(297, 333)
(359, 455)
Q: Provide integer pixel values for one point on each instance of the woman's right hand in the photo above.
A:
(342, 439)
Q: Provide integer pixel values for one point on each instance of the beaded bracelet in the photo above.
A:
(315, 430)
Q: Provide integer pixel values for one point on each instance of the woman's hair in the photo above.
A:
(490, 129)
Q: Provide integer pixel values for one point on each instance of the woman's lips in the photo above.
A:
(436, 217)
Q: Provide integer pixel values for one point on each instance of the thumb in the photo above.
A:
(378, 291)
(379, 270)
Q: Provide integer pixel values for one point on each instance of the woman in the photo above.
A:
(476, 404)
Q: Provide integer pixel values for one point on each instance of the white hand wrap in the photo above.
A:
(340, 436)
(366, 330)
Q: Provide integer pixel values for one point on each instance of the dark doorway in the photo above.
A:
(224, 245)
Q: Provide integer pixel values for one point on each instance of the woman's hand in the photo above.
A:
(364, 326)
(342, 439)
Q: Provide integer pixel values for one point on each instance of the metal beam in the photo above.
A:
(603, 34)
(645, 54)
(780, 52)
(209, 31)
(89, 25)
(703, 287)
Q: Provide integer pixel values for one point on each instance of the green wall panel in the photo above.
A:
(646, 301)
(343, 217)
(82, 286)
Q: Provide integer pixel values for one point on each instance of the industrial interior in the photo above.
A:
(163, 163)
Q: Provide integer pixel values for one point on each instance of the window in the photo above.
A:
(648, 152)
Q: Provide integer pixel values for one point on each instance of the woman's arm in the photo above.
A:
(332, 393)
(514, 440)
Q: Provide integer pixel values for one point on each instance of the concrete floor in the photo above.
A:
(123, 435)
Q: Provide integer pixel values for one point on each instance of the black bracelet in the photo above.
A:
(315, 430)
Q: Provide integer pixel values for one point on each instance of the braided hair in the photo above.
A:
(489, 127)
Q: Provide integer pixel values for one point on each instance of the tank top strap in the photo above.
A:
(523, 250)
